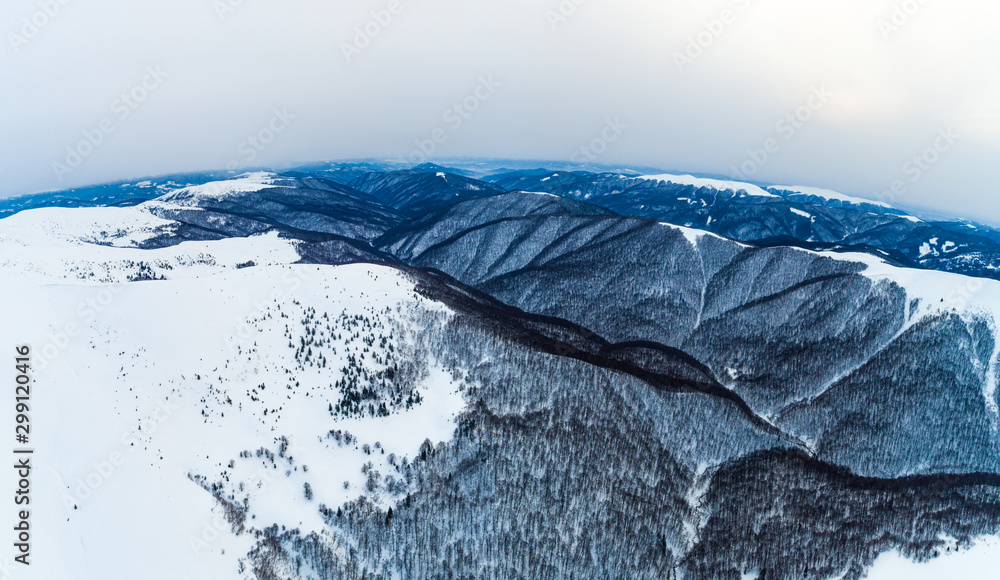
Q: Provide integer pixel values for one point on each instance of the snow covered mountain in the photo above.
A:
(354, 372)
(780, 215)
(109, 194)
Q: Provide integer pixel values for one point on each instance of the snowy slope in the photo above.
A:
(721, 185)
(118, 227)
(143, 388)
(102, 245)
(936, 291)
(216, 190)
(978, 562)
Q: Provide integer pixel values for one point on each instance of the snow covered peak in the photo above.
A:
(721, 185)
(691, 234)
(217, 190)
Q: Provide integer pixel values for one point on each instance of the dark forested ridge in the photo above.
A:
(660, 380)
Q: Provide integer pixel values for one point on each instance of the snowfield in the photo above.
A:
(936, 291)
(217, 190)
(142, 389)
(61, 262)
(101, 245)
(117, 227)
(979, 562)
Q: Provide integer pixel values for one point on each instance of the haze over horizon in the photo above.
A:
(886, 100)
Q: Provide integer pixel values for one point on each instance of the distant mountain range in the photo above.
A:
(430, 372)
(805, 217)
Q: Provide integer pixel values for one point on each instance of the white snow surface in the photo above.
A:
(937, 291)
(55, 260)
(217, 190)
(121, 227)
(132, 398)
(545, 193)
(735, 186)
(140, 386)
(980, 562)
(101, 245)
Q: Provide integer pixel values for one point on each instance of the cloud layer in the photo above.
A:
(108, 89)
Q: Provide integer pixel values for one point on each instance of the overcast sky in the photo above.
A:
(704, 86)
